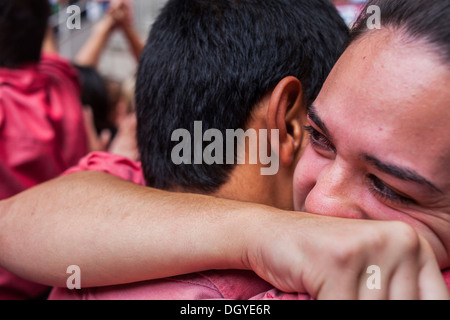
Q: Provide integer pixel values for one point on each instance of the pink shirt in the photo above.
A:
(41, 124)
(42, 134)
(230, 284)
(210, 285)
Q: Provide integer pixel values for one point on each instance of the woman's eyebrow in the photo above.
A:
(312, 113)
(400, 173)
(393, 170)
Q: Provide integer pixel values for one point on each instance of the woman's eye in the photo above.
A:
(385, 193)
(319, 140)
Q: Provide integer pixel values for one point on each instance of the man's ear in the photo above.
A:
(284, 114)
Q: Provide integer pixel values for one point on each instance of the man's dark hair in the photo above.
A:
(213, 61)
(427, 20)
(23, 24)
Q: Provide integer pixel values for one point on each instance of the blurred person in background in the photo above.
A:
(108, 104)
(43, 127)
(42, 130)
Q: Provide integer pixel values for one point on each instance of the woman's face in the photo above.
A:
(380, 140)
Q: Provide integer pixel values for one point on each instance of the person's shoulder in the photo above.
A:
(59, 68)
(237, 284)
(54, 60)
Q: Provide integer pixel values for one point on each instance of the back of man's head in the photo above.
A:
(213, 61)
(23, 24)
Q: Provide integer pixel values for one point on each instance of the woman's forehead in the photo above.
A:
(379, 79)
(395, 100)
(380, 67)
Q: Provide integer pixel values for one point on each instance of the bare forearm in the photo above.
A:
(134, 40)
(116, 232)
(90, 53)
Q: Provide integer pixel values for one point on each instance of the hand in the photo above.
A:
(124, 144)
(121, 12)
(329, 257)
(119, 15)
(95, 142)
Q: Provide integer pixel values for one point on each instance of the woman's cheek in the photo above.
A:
(305, 177)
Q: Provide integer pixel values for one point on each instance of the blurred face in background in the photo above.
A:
(380, 139)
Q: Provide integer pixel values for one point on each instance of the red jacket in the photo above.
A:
(42, 134)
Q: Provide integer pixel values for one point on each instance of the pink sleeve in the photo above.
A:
(118, 166)
(61, 70)
(276, 294)
(187, 287)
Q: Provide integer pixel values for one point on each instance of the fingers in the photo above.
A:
(374, 283)
(419, 277)
(405, 269)
(404, 284)
(343, 286)
(350, 260)
(431, 282)
(416, 276)
(413, 275)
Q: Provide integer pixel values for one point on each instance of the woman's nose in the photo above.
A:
(335, 193)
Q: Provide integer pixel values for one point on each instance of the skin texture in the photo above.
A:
(380, 122)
